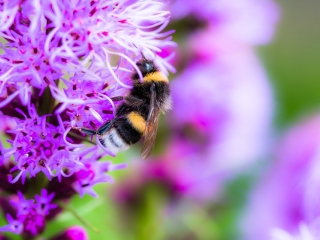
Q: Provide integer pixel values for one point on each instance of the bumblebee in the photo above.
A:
(137, 117)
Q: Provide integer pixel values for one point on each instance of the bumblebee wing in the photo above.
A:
(150, 135)
(150, 132)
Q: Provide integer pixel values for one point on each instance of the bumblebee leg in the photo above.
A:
(119, 98)
(86, 131)
(105, 127)
(133, 101)
(107, 111)
(129, 100)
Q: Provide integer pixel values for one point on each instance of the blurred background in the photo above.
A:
(247, 73)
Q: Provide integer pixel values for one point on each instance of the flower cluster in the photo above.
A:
(39, 146)
(88, 46)
(61, 64)
(30, 215)
(90, 41)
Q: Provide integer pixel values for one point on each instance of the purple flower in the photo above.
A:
(48, 39)
(93, 173)
(30, 216)
(87, 103)
(14, 226)
(7, 123)
(41, 147)
(8, 11)
(61, 64)
(89, 46)
(288, 195)
(23, 205)
(43, 202)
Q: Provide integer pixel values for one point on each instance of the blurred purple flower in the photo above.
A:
(7, 123)
(288, 195)
(43, 204)
(14, 226)
(250, 21)
(305, 232)
(73, 233)
(30, 216)
(223, 123)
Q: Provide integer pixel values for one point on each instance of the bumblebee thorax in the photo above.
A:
(156, 77)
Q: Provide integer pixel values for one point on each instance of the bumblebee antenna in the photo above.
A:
(144, 58)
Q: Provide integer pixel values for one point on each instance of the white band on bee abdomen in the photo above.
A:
(113, 142)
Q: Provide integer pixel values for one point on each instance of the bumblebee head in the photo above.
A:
(146, 67)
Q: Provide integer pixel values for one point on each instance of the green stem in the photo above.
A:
(77, 216)
(38, 183)
(46, 102)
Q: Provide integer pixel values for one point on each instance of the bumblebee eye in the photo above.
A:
(148, 67)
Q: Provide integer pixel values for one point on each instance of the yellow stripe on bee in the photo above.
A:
(137, 121)
(156, 76)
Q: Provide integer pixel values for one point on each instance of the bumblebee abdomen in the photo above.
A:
(113, 141)
(127, 131)
(137, 121)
